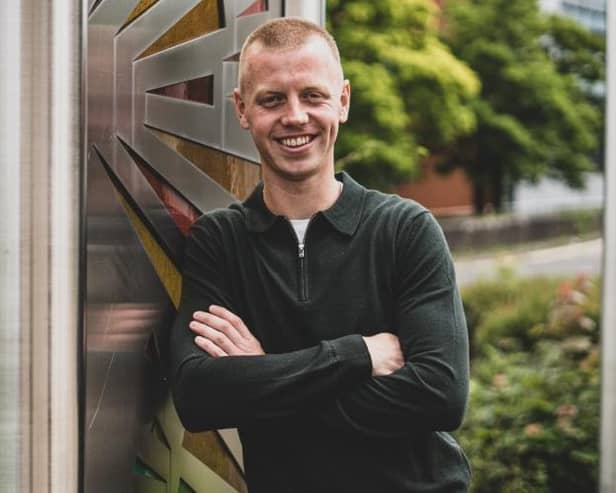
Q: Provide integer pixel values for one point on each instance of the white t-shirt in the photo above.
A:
(300, 225)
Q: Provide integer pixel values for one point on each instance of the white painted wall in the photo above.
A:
(549, 195)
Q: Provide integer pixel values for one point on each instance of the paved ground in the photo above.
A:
(570, 259)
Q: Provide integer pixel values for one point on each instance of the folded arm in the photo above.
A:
(219, 392)
(331, 383)
(430, 391)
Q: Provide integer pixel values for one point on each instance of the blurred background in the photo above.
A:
(491, 114)
(117, 132)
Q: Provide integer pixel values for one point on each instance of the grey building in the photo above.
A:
(590, 13)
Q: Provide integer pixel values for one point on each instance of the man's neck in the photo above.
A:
(301, 199)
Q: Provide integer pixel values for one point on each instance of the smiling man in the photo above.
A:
(318, 317)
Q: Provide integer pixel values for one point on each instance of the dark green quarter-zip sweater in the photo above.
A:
(310, 415)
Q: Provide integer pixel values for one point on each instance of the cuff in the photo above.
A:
(352, 353)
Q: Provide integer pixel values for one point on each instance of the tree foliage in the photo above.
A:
(576, 50)
(580, 54)
(533, 116)
(410, 94)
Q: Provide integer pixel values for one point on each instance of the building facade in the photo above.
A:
(589, 13)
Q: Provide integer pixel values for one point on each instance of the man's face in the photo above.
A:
(292, 101)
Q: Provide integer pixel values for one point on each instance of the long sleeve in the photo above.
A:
(226, 392)
(430, 391)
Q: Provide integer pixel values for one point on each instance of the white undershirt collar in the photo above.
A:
(300, 226)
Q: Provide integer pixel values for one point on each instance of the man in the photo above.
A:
(324, 318)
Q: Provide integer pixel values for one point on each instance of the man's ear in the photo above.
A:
(240, 108)
(345, 101)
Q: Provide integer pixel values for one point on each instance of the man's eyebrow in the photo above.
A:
(267, 92)
(321, 89)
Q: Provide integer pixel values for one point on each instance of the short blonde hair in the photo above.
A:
(284, 33)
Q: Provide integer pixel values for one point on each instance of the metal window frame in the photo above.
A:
(608, 324)
(41, 136)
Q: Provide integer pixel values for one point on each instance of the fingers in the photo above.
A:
(209, 347)
(231, 318)
(227, 331)
(219, 324)
(213, 336)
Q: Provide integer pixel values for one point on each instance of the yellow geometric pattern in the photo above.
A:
(165, 269)
(234, 174)
(210, 449)
(185, 459)
(139, 9)
(176, 464)
(169, 459)
(202, 19)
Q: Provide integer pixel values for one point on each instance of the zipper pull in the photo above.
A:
(300, 250)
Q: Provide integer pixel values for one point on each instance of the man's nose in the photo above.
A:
(295, 113)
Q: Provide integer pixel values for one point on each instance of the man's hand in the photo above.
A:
(385, 353)
(222, 333)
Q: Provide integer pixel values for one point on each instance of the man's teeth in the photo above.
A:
(295, 141)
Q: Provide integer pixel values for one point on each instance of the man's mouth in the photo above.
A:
(297, 141)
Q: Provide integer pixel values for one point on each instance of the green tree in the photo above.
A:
(410, 94)
(533, 119)
(580, 54)
(576, 50)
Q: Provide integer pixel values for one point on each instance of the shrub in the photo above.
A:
(503, 312)
(533, 418)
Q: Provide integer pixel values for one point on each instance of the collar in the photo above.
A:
(344, 215)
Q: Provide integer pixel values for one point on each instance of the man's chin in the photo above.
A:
(295, 172)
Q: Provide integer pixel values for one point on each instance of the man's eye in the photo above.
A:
(270, 101)
(313, 96)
